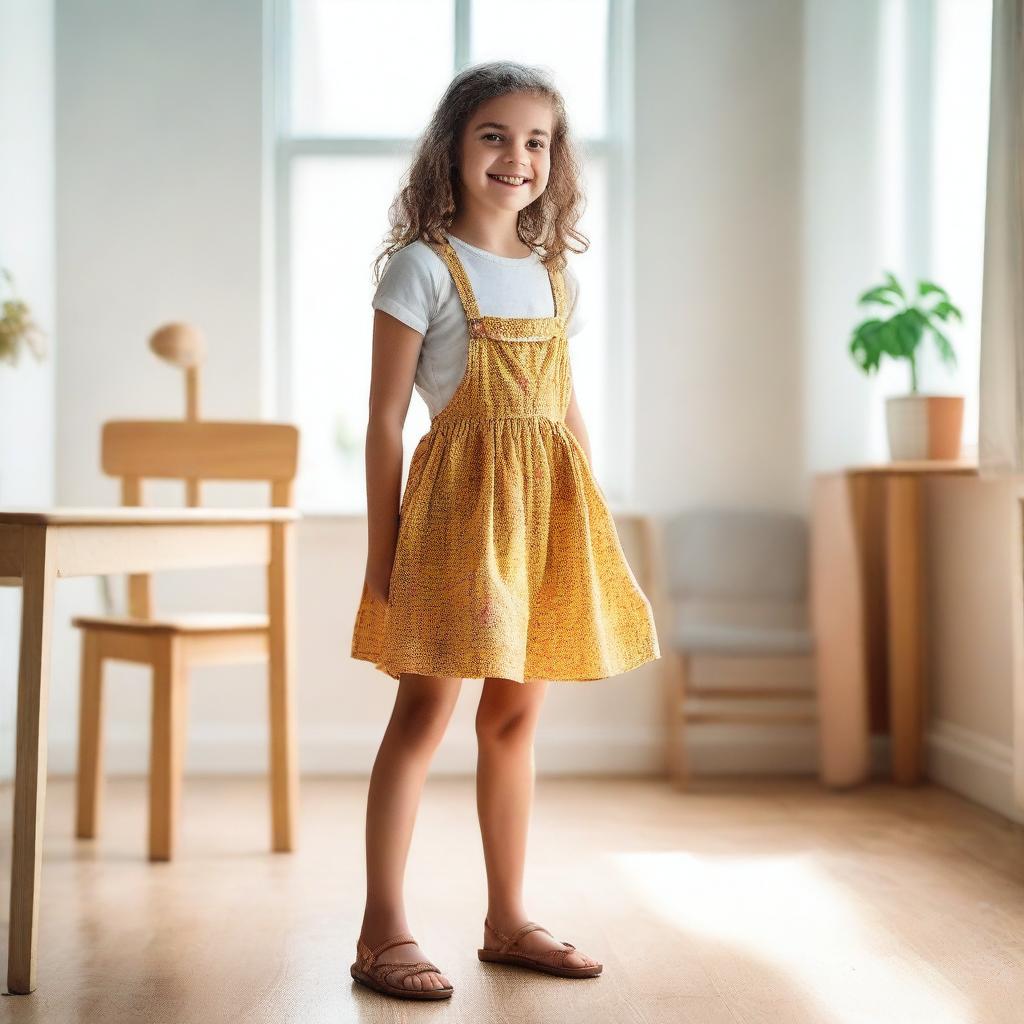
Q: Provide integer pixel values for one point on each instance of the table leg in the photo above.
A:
(284, 784)
(905, 625)
(837, 611)
(1017, 619)
(38, 579)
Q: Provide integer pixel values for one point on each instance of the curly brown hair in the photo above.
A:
(425, 205)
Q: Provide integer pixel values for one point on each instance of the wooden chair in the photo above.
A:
(730, 586)
(192, 450)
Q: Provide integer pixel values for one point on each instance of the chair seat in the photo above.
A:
(741, 628)
(714, 638)
(193, 622)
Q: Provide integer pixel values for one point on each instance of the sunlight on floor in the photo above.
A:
(786, 914)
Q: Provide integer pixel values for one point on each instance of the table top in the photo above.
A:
(962, 467)
(121, 515)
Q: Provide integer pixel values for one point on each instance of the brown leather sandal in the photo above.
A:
(378, 975)
(550, 962)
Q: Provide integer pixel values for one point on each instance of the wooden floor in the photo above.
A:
(743, 901)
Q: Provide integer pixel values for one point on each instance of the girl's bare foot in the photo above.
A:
(532, 942)
(408, 952)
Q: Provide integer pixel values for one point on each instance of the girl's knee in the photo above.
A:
(421, 714)
(508, 728)
(420, 721)
(508, 712)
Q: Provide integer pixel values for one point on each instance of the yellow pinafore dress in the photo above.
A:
(507, 562)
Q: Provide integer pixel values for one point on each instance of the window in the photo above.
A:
(935, 66)
(356, 82)
(959, 119)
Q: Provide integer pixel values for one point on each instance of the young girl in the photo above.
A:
(502, 563)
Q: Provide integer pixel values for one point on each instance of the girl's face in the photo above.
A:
(507, 137)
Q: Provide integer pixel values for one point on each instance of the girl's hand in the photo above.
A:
(378, 582)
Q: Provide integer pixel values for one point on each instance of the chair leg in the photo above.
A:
(670, 682)
(681, 757)
(167, 747)
(675, 697)
(284, 769)
(89, 779)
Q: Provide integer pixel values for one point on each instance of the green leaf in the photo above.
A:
(864, 345)
(888, 338)
(919, 316)
(867, 326)
(944, 310)
(909, 332)
(944, 346)
(928, 287)
(875, 295)
(894, 285)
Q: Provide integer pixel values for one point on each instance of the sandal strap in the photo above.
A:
(551, 955)
(396, 940)
(561, 954)
(404, 970)
(530, 926)
(510, 940)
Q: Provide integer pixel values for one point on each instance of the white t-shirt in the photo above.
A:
(417, 288)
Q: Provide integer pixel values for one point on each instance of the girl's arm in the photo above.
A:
(396, 349)
(574, 421)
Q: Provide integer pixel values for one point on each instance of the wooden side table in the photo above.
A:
(867, 608)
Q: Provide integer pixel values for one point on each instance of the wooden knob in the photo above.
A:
(180, 344)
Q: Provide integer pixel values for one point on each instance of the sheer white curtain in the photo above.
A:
(1001, 411)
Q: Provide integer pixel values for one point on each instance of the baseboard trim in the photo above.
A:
(965, 761)
(973, 765)
(242, 750)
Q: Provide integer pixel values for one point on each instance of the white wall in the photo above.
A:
(27, 250)
(718, 362)
(159, 192)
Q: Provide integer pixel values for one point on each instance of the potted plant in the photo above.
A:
(919, 426)
(17, 329)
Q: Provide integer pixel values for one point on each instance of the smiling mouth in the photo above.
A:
(509, 180)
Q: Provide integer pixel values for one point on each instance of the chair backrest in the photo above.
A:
(194, 451)
(736, 554)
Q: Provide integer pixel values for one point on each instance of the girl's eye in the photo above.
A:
(494, 135)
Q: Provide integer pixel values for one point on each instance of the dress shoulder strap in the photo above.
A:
(558, 291)
(458, 272)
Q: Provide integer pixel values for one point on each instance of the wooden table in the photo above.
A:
(867, 603)
(38, 547)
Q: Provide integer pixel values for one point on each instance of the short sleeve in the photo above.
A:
(408, 287)
(577, 316)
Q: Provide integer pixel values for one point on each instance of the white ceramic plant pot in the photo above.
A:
(924, 426)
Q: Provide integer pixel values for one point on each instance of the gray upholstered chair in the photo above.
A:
(733, 592)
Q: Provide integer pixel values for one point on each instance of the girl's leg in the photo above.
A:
(505, 723)
(421, 713)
